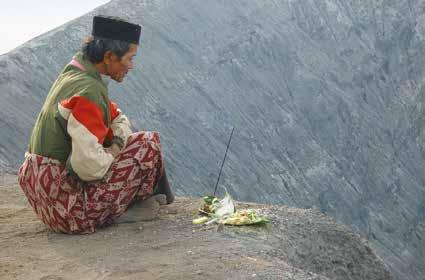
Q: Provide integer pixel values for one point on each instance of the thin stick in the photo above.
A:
(219, 174)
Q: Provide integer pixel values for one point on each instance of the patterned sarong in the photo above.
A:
(67, 204)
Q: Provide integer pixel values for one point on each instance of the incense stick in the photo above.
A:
(221, 168)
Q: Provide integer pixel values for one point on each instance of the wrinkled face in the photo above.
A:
(117, 68)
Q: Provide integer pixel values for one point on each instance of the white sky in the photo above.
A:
(22, 20)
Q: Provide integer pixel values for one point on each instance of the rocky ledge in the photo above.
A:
(297, 244)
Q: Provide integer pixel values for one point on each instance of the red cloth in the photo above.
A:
(69, 205)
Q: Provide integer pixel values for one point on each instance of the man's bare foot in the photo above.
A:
(146, 210)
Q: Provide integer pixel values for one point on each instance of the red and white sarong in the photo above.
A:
(69, 205)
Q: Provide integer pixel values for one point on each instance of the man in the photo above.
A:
(84, 166)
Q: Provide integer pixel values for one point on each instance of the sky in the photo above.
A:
(22, 20)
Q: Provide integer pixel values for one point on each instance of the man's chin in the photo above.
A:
(118, 80)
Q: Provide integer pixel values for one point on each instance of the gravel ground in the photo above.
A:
(297, 244)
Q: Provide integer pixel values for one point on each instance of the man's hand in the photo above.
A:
(114, 150)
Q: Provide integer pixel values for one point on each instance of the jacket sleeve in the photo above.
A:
(120, 125)
(87, 130)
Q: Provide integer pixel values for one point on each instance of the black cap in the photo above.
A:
(116, 29)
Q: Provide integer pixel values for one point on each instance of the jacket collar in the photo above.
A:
(89, 68)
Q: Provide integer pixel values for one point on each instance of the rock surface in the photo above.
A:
(326, 97)
(298, 244)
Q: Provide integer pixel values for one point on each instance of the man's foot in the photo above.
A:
(146, 210)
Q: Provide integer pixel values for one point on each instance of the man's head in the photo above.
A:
(113, 46)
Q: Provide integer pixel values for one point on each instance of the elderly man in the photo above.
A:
(84, 166)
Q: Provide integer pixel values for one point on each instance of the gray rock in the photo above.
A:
(326, 97)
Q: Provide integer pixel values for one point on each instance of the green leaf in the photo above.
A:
(209, 199)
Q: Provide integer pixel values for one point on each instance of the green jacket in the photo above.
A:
(77, 120)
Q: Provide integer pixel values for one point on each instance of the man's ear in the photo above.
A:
(108, 57)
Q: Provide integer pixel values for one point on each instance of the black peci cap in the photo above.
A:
(116, 29)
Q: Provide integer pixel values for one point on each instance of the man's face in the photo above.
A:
(117, 68)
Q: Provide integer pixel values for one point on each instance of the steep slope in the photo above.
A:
(326, 98)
